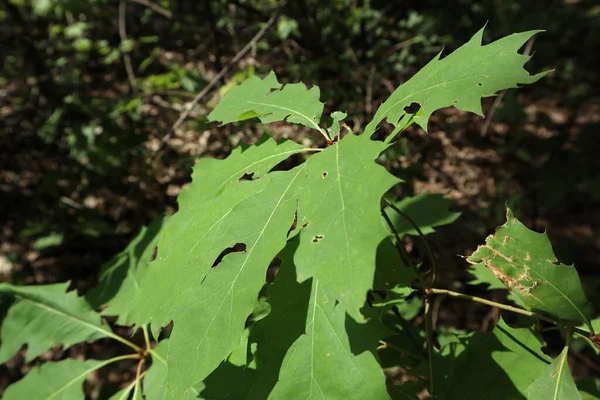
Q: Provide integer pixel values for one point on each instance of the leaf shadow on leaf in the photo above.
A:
(487, 379)
(218, 385)
(273, 336)
(389, 269)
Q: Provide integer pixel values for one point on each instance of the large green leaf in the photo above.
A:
(325, 362)
(268, 100)
(339, 210)
(460, 79)
(194, 237)
(556, 383)
(119, 282)
(525, 262)
(335, 196)
(45, 316)
(62, 380)
(497, 365)
(213, 313)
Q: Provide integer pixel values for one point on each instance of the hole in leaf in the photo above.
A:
(480, 84)
(247, 177)
(324, 174)
(154, 254)
(294, 223)
(317, 238)
(273, 269)
(304, 225)
(236, 248)
(454, 101)
(288, 163)
(412, 108)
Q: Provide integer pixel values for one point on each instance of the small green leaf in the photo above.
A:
(334, 129)
(45, 316)
(460, 79)
(270, 101)
(62, 380)
(556, 383)
(497, 365)
(525, 263)
(427, 210)
(119, 282)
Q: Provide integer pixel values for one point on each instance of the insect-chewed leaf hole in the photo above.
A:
(236, 248)
(304, 225)
(412, 108)
(480, 84)
(317, 238)
(247, 177)
(324, 175)
(454, 101)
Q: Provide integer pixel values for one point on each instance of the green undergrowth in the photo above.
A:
(295, 284)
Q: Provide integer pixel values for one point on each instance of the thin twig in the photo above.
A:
(369, 91)
(123, 36)
(214, 81)
(402, 251)
(511, 309)
(155, 7)
(429, 333)
(146, 337)
(138, 378)
(421, 235)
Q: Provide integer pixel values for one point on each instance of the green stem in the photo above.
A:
(90, 370)
(421, 235)
(154, 354)
(429, 333)
(146, 338)
(402, 251)
(511, 309)
(386, 345)
(138, 378)
(125, 342)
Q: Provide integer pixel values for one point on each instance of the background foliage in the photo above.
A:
(81, 170)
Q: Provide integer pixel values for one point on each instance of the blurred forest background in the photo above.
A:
(89, 91)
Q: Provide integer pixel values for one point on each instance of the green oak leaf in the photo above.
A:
(194, 237)
(45, 316)
(312, 367)
(497, 365)
(214, 312)
(270, 101)
(334, 129)
(339, 211)
(427, 210)
(334, 195)
(119, 282)
(286, 322)
(525, 263)
(460, 79)
(556, 383)
(62, 380)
